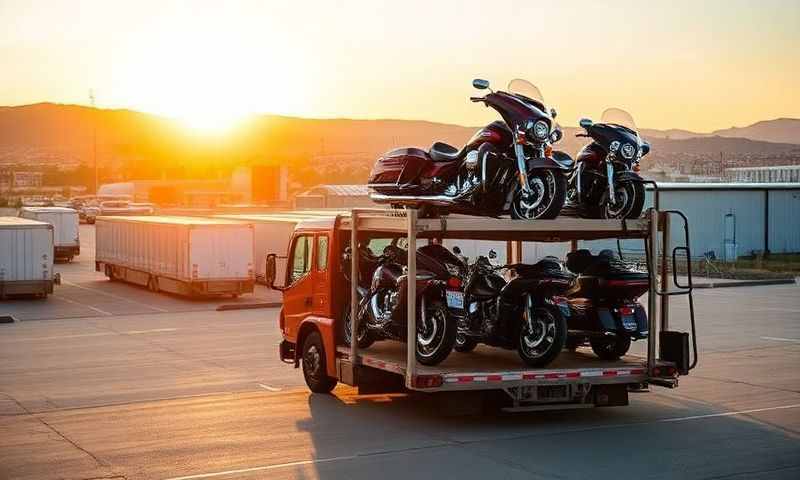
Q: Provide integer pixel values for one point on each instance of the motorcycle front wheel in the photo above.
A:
(436, 334)
(547, 196)
(629, 202)
(365, 338)
(542, 336)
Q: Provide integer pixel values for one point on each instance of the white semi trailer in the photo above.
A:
(65, 222)
(26, 257)
(182, 255)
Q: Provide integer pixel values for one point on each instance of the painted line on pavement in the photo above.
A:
(98, 334)
(728, 414)
(269, 388)
(94, 309)
(780, 339)
(354, 457)
(118, 297)
(154, 330)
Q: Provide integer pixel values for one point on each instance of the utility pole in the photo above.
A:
(94, 139)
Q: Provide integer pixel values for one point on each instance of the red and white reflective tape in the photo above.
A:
(561, 375)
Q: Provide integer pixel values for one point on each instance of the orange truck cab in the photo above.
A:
(316, 297)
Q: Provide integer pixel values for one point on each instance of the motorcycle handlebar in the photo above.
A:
(476, 99)
(582, 135)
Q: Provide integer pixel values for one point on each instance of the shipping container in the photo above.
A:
(65, 222)
(182, 255)
(26, 257)
(272, 232)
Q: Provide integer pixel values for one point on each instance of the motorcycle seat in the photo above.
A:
(442, 152)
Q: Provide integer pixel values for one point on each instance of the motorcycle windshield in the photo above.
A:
(525, 89)
(618, 116)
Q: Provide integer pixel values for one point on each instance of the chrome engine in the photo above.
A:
(470, 180)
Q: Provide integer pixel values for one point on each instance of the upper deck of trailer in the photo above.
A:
(561, 229)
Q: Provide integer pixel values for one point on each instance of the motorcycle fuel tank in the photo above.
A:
(386, 276)
(592, 154)
(496, 133)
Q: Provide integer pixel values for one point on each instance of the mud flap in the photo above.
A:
(610, 395)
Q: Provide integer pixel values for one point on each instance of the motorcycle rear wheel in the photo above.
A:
(540, 346)
(611, 349)
(464, 344)
(549, 193)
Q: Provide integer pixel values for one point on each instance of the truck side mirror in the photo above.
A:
(269, 272)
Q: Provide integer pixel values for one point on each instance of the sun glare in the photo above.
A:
(210, 122)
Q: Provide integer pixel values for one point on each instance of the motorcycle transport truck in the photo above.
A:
(318, 296)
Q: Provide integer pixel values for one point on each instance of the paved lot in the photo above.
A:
(193, 393)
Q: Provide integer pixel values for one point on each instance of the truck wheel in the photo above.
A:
(464, 344)
(435, 335)
(314, 367)
(543, 337)
(110, 272)
(611, 349)
(152, 284)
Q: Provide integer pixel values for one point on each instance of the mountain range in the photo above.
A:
(145, 144)
(780, 130)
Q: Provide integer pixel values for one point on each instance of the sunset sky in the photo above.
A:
(683, 64)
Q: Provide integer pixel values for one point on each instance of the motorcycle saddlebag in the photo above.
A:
(398, 169)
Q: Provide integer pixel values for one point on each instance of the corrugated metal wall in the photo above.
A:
(706, 211)
(784, 221)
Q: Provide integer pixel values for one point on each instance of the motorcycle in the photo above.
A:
(383, 307)
(603, 302)
(604, 182)
(524, 314)
(506, 167)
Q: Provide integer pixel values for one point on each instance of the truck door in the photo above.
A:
(298, 298)
(322, 286)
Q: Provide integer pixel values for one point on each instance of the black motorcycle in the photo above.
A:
(604, 182)
(524, 314)
(383, 306)
(506, 167)
(603, 303)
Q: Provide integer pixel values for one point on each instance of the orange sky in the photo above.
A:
(695, 65)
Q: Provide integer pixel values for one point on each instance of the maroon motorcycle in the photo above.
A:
(508, 166)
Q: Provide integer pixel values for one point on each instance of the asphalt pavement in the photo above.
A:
(158, 387)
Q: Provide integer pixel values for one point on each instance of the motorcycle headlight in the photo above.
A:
(628, 151)
(539, 130)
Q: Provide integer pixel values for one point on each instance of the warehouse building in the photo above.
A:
(728, 220)
(772, 174)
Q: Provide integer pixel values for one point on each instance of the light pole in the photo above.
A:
(94, 139)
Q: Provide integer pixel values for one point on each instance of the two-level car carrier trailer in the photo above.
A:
(574, 380)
